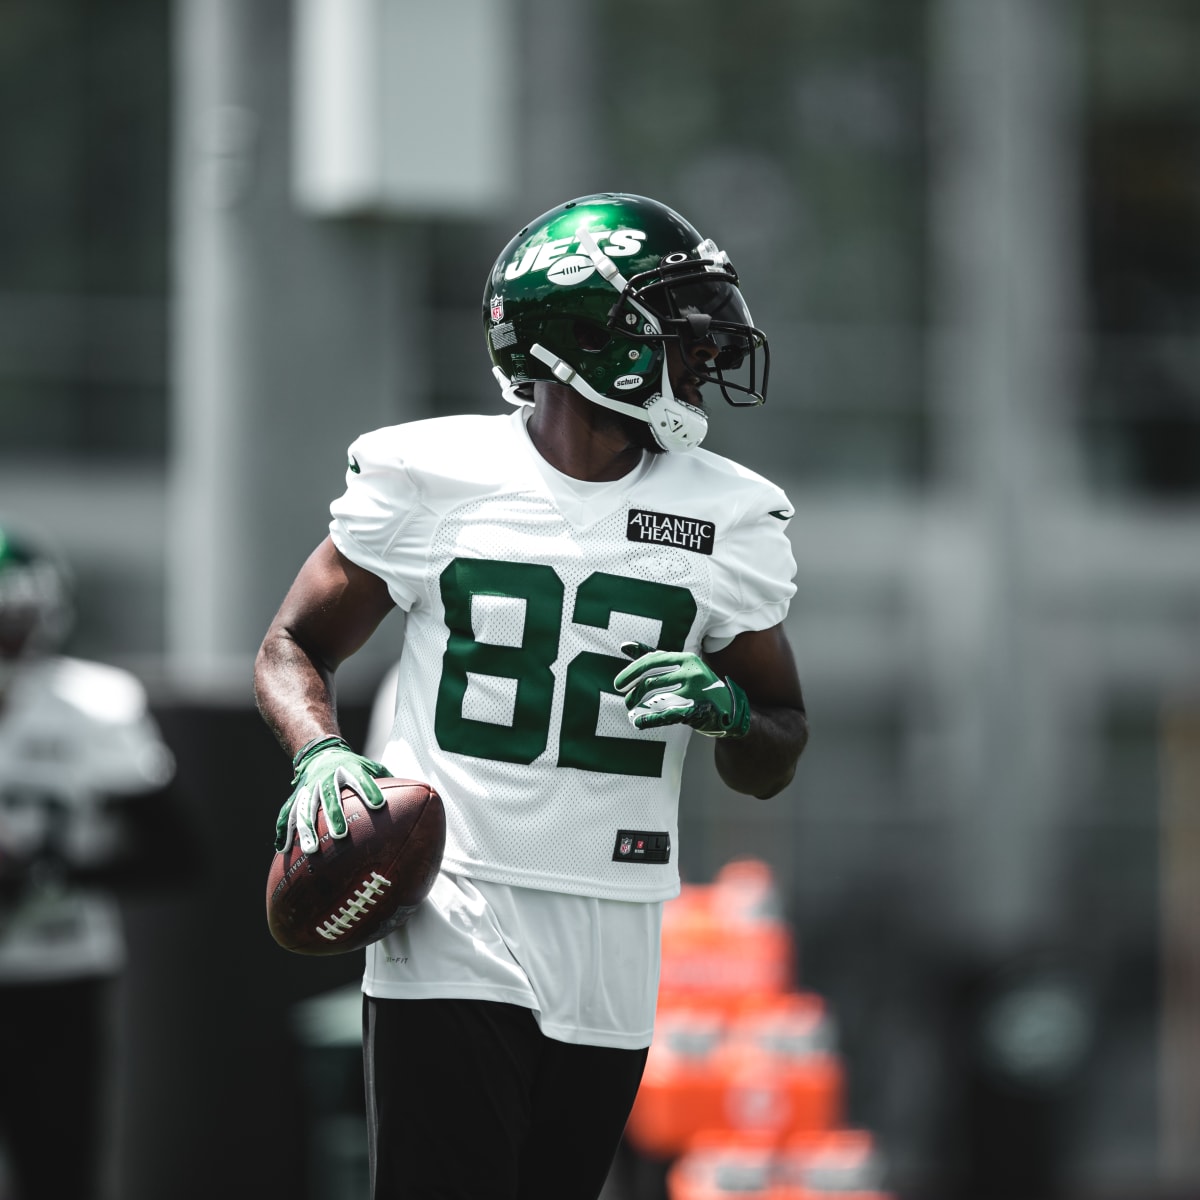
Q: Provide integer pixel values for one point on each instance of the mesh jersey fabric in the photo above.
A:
(586, 965)
(517, 599)
(587, 968)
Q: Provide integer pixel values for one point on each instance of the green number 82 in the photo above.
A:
(588, 674)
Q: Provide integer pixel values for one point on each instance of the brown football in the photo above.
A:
(354, 890)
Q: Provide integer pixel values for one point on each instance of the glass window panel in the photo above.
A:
(1140, 412)
(84, 136)
(796, 134)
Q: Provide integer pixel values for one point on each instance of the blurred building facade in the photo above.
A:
(971, 229)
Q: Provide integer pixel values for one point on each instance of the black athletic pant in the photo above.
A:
(468, 1100)
(54, 1061)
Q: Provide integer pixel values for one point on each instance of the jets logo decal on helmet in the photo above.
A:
(543, 256)
(575, 268)
(592, 293)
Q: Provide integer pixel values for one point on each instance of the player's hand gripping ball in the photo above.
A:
(322, 770)
(353, 890)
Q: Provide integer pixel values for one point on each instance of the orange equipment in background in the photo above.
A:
(722, 1165)
(744, 1088)
(771, 1068)
(726, 943)
(736, 1046)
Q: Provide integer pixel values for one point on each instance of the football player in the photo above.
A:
(87, 808)
(585, 590)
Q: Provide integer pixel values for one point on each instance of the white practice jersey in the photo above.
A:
(519, 585)
(71, 734)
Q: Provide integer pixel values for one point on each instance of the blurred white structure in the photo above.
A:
(404, 107)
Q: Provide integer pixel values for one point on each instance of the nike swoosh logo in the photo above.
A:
(719, 683)
(783, 514)
(353, 465)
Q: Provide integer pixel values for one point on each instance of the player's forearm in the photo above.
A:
(764, 761)
(294, 693)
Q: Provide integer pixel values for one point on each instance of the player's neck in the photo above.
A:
(581, 439)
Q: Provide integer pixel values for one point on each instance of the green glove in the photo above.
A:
(322, 769)
(669, 687)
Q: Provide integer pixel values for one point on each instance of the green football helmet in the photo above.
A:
(591, 294)
(35, 604)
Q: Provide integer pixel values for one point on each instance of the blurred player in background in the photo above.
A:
(584, 590)
(86, 809)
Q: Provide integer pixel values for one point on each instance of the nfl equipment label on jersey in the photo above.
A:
(642, 846)
(685, 533)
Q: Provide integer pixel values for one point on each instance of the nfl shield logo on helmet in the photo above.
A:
(497, 308)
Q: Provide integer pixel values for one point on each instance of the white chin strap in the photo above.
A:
(674, 424)
(508, 389)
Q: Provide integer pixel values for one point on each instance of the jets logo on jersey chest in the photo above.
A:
(665, 529)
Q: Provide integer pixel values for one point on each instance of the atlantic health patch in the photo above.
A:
(685, 533)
